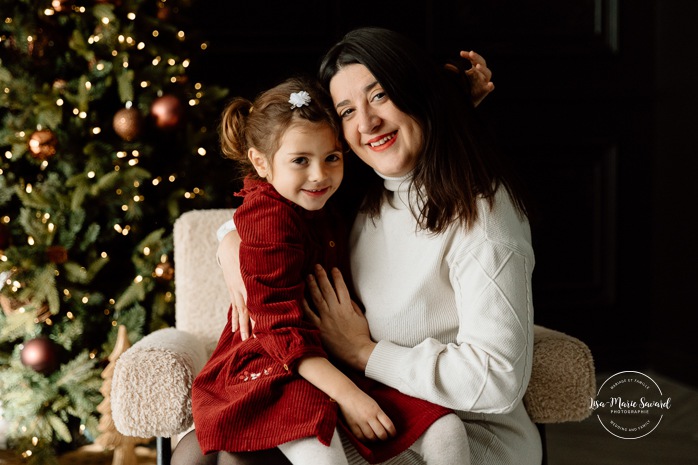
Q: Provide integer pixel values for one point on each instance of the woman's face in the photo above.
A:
(384, 137)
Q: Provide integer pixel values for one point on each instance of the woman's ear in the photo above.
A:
(260, 162)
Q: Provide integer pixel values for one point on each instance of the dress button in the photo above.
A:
(331, 243)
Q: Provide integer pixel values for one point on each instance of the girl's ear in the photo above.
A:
(260, 162)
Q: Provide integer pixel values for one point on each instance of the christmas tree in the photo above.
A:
(105, 140)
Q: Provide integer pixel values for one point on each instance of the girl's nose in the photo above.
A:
(317, 172)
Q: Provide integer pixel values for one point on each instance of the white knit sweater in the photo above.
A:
(453, 317)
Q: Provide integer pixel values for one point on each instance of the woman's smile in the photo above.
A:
(383, 136)
(382, 142)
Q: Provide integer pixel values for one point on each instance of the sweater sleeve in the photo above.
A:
(272, 255)
(487, 368)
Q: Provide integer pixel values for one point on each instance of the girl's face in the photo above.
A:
(384, 137)
(308, 166)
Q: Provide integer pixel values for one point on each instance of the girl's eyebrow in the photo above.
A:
(366, 89)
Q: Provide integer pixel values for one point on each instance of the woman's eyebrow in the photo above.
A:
(366, 89)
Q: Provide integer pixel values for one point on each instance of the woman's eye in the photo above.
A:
(379, 96)
(345, 113)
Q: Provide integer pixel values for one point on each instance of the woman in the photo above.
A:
(441, 251)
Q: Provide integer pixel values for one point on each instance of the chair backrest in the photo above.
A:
(201, 297)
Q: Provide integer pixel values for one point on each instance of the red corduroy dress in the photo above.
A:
(248, 395)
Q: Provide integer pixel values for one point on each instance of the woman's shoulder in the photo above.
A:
(498, 221)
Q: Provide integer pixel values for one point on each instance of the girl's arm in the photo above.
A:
(363, 415)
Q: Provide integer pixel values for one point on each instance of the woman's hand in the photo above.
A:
(229, 260)
(343, 327)
(479, 75)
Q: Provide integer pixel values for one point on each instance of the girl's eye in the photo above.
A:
(299, 161)
(333, 157)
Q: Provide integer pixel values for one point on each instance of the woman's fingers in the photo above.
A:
(479, 75)
(241, 316)
(478, 63)
(325, 286)
(316, 295)
(310, 314)
(340, 287)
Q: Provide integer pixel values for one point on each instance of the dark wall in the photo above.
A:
(675, 191)
(586, 100)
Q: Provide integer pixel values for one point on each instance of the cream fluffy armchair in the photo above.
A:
(151, 387)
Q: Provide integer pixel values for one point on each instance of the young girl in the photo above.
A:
(277, 388)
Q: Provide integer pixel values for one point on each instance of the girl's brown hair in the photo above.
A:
(262, 123)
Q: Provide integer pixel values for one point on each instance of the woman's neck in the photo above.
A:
(396, 183)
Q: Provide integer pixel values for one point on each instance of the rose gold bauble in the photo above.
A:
(40, 354)
(57, 254)
(164, 272)
(167, 112)
(42, 144)
(128, 123)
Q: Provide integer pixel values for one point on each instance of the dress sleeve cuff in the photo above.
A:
(225, 228)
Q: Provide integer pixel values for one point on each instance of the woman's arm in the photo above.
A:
(229, 260)
(485, 365)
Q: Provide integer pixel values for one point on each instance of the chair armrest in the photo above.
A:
(563, 378)
(151, 387)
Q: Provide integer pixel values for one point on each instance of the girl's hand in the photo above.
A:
(343, 327)
(365, 418)
(229, 260)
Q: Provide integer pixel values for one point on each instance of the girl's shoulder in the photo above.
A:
(264, 213)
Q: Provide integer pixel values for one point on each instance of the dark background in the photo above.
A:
(595, 103)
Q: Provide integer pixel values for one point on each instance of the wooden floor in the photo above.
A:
(674, 442)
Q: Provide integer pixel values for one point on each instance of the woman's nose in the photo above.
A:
(368, 121)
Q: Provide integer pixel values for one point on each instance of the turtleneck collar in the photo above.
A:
(397, 184)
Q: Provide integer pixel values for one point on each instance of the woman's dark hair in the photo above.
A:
(455, 166)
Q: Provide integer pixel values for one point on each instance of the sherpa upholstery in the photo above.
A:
(151, 387)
